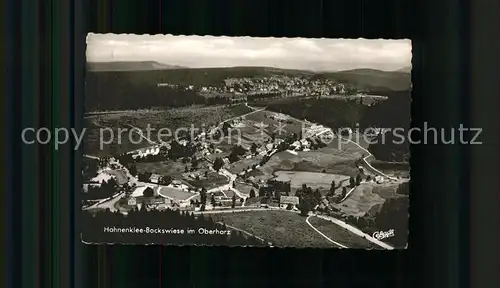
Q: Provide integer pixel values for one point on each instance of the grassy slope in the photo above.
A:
(210, 76)
(287, 229)
(172, 119)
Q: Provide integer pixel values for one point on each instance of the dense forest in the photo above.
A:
(94, 225)
(333, 113)
(116, 91)
(393, 113)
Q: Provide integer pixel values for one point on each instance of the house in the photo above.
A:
(295, 145)
(304, 142)
(162, 207)
(155, 178)
(86, 186)
(132, 201)
(285, 200)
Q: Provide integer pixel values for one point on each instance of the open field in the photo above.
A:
(193, 116)
(196, 116)
(311, 161)
(213, 180)
(366, 199)
(117, 146)
(282, 228)
(244, 164)
(321, 181)
(120, 175)
(230, 194)
(174, 169)
(174, 193)
(341, 235)
(272, 120)
(245, 188)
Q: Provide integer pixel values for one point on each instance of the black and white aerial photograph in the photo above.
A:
(242, 141)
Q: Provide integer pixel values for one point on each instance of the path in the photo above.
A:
(324, 236)
(91, 157)
(142, 134)
(255, 110)
(350, 191)
(355, 231)
(239, 210)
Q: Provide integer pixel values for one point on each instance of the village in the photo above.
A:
(202, 176)
(275, 84)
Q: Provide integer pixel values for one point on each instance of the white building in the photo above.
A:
(132, 201)
(155, 178)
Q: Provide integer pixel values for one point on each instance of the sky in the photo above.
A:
(288, 53)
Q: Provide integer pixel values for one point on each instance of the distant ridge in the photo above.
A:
(129, 66)
(405, 70)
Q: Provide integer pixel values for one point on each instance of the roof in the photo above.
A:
(289, 200)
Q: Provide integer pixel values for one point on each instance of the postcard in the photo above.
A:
(242, 141)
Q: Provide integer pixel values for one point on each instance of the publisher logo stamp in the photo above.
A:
(380, 235)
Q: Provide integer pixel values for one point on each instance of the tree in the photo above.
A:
(226, 128)
(233, 203)
(352, 182)
(242, 200)
(305, 206)
(148, 192)
(252, 193)
(368, 178)
(212, 200)
(358, 179)
(253, 148)
(132, 169)
(233, 157)
(194, 162)
(90, 169)
(317, 195)
(344, 192)
(165, 180)
(186, 169)
(144, 177)
(332, 188)
(203, 196)
(262, 191)
(218, 163)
